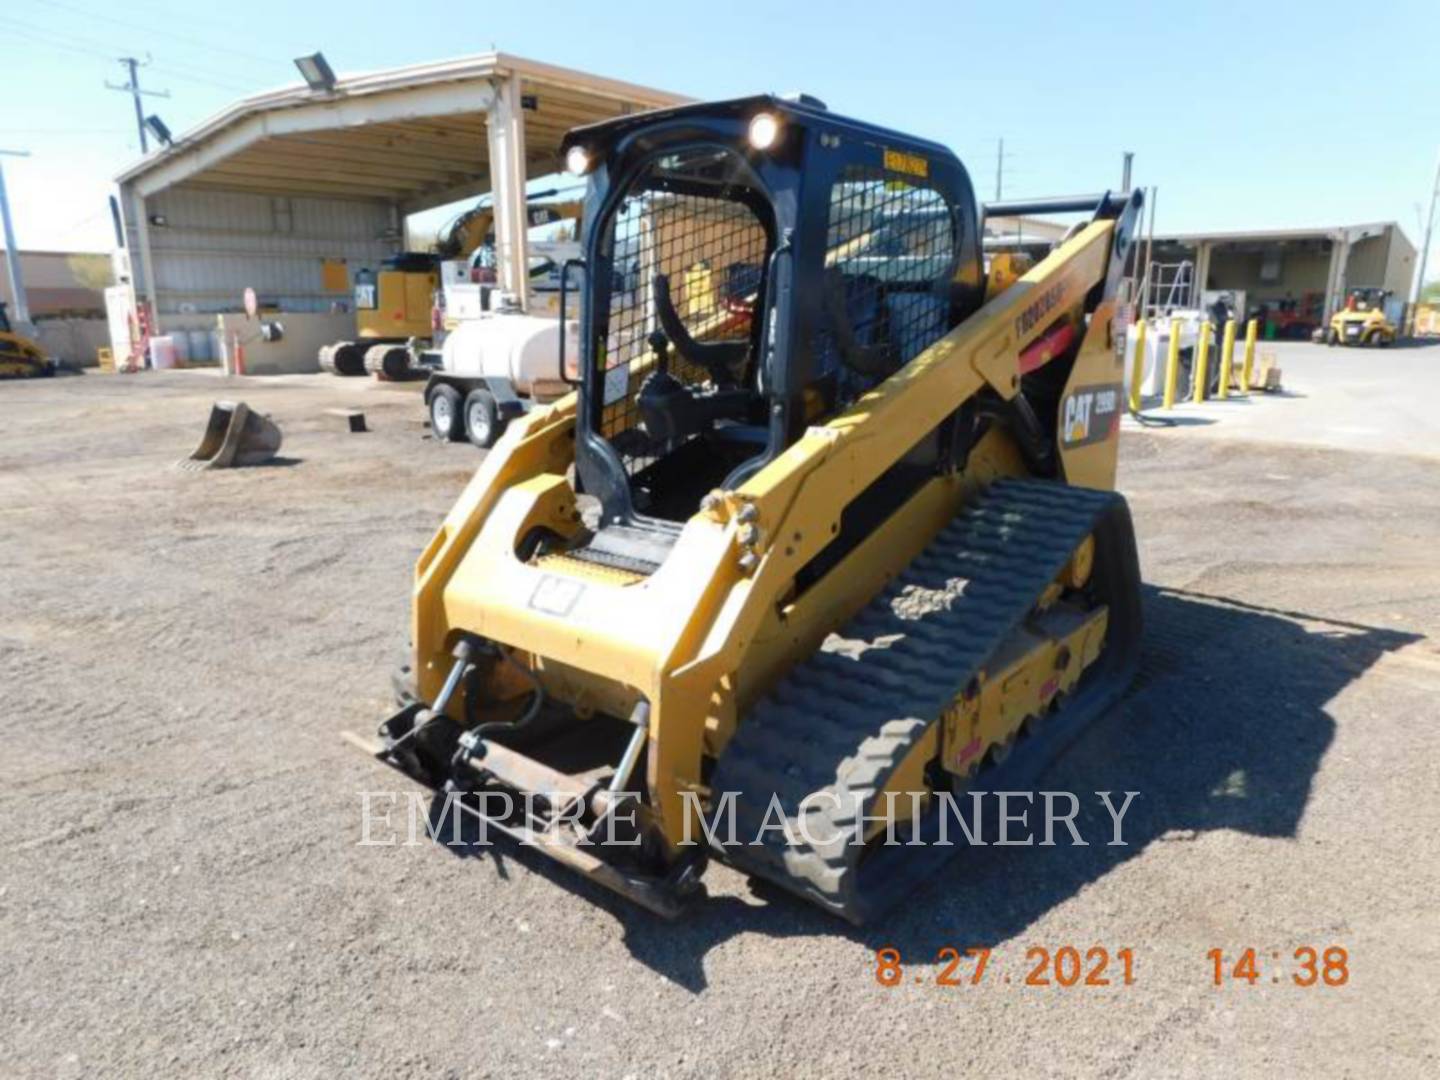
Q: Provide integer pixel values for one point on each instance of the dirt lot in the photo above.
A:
(182, 890)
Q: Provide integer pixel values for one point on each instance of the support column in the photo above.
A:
(505, 125)
(1335, 276)
(147, 264)
(1202, 273)
(397, 226)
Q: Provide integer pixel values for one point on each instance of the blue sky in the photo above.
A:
(1243, 115)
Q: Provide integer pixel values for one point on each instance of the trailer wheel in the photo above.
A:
(445, 420)
(482, 419)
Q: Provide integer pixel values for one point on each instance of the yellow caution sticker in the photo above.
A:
(909, 164)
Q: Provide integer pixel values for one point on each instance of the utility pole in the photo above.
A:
(12, 254)
(1149, 254)
(133, 89)
(1000, 156)
(1425, 244)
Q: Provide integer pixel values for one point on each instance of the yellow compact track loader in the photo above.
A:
(824, 537)
(20, 358)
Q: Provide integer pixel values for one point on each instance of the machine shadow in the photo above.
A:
(1224, 728)
(1171, 420)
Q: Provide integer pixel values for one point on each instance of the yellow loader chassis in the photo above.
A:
(716, 634)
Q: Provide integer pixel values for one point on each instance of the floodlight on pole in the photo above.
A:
(133, 66)
(159, 130)
(316, 71)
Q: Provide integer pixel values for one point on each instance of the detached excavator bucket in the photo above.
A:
(235, 435)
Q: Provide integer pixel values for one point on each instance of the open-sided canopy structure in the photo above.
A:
(418, 136)
(279, 183)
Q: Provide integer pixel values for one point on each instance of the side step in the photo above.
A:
(840, 725)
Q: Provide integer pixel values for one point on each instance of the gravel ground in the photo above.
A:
(182, 889)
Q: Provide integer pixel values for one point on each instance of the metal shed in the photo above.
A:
(1308, 268)
(280, 190)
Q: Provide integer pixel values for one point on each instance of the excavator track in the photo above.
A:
(343, 358)
(841, 723)
(388, 362)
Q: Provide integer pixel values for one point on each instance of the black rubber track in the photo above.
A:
(343, 358)
(391, 361)
(841, 724)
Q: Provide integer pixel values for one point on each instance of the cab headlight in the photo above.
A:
(578, 161)
(764, 130)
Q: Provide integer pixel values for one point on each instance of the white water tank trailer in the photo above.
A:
(496, 367)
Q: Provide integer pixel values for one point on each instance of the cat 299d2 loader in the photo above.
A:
(825, 532)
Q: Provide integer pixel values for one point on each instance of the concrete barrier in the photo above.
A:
(73, 342)
(299, 346)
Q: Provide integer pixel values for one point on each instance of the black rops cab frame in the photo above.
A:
(751, 266)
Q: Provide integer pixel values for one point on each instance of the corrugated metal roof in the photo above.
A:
(1332, 232)
(403, 134)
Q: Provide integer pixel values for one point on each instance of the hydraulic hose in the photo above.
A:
(537, 700)
(472, 742)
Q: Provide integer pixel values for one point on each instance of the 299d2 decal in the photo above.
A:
(1090, 414)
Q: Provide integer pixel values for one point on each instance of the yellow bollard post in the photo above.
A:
(1137, 366)
(1172, 364)
(1247, 367)
(1202, 364)
(1227, 357)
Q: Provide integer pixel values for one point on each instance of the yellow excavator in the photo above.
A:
(20, 358)
(824, 539)
(474, 229)
(392, 306)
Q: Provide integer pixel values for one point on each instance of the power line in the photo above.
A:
(76, 226)
(153, 31)
(104, 51)
(228, 27)
(36, 36)
(169, 67)
(55, 131)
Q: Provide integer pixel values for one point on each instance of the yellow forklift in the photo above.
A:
(1362, 320)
